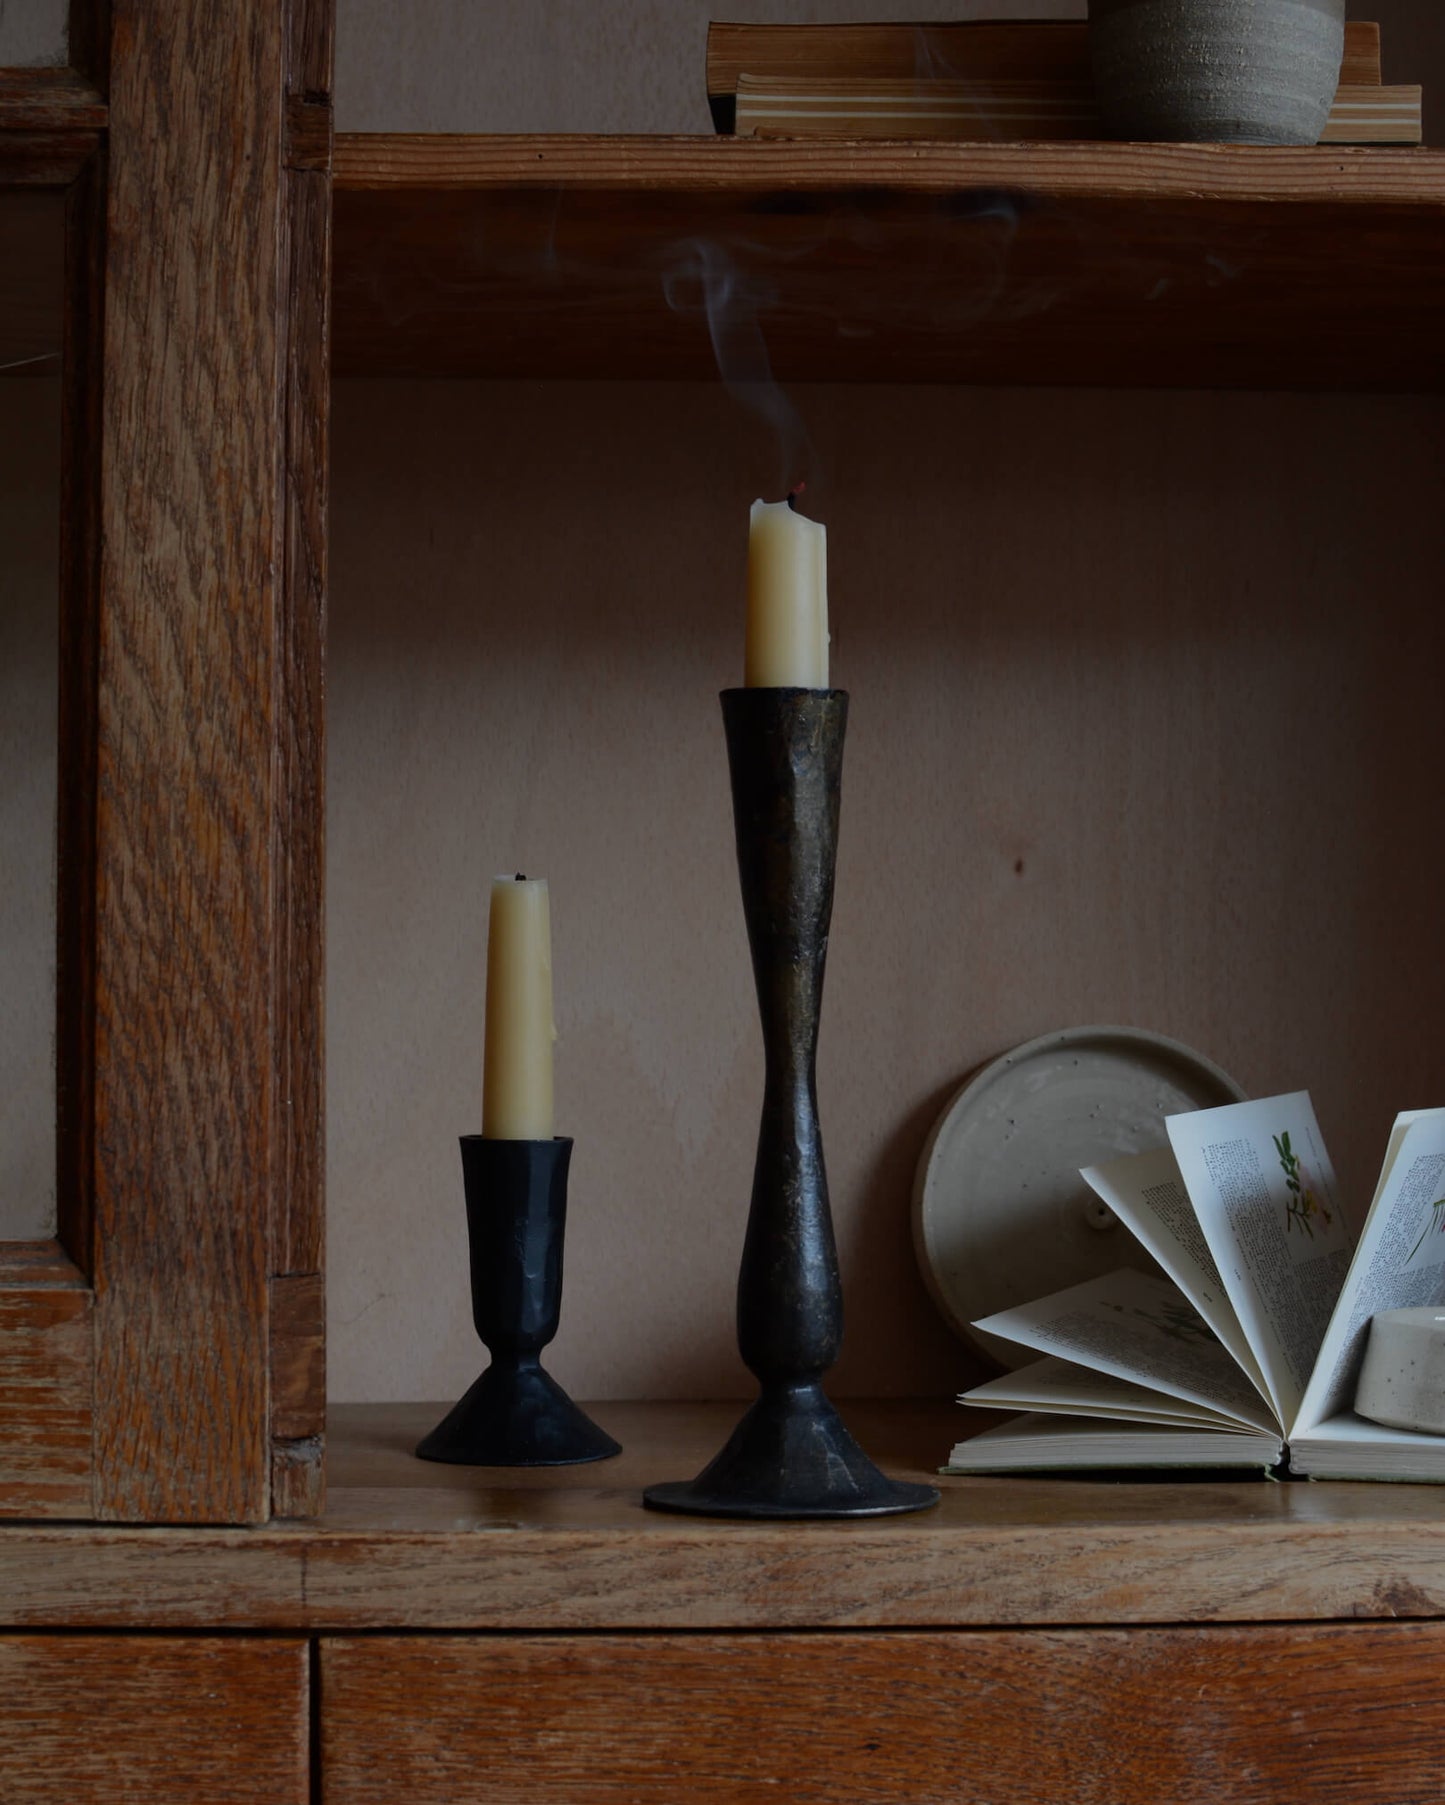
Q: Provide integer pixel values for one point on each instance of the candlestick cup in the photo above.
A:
(790, 1456)
(516, 1415)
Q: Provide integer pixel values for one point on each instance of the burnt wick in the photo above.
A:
(520, 878)
(793, 495)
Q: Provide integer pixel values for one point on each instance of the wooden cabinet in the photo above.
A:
(191, 151)
(494, 1636)
(154, 1720)
(161, 1361)
(165, 1350)
(1215, 1716)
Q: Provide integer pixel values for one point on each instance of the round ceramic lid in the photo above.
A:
(1000, 1214)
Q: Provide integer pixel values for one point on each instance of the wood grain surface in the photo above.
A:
(46, 1380)
(82, 457)
(298, 1356)
(405, 1544)
(51, 250)
(49, 100)
(189, 947)
(298, 1476)
(310, 49)
(152, 1720)
(89, 41)
(1191, 1717)
(189, 700)
(297, 1225)
(309, 133)
(298, 1229)
(1111, 265)
(421, 162)
(45, 158)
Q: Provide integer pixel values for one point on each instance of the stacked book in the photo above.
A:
(974, 82)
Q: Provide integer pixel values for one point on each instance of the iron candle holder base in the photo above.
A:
(516, 1415)
(790, 1456)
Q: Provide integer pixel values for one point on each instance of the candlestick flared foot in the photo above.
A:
(516, 1415)
(791, 1456)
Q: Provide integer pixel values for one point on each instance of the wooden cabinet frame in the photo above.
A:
(162, 1356)
(161, 1360)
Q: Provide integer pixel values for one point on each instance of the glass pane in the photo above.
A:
(31, 265)
(34, 34)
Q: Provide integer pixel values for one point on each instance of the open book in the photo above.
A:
(1248, 1351)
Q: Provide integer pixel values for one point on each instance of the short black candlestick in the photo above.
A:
(516, 1415)
(790, 1456)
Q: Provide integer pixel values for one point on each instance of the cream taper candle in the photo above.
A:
(517, 1066)
(787, 634)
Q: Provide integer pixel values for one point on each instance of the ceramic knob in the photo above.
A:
(1402, 1379)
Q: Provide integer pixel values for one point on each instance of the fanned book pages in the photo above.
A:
(1247, 1352)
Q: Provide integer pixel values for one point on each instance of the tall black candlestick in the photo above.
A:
(790, 1456)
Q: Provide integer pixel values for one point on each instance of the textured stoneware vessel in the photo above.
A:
(1402, 1377)
(1217, 71)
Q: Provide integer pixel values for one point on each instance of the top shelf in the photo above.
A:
(1113, 265)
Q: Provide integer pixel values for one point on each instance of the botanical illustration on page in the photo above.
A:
(1264, 1192)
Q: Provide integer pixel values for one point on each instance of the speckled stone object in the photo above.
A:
(1217, 71)
(1402, 1377)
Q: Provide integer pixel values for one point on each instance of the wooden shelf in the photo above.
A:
(407, 1544)
(1117, 265)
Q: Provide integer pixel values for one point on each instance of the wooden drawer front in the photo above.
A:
(158, 1720)
(1100, 1717)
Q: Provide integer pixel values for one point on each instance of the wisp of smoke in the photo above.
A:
(701, 275)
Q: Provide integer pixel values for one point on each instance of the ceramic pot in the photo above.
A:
(1402, 1376)
(1217, 71)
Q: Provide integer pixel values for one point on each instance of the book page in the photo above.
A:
(1347, 1447)
(1264, 1192)
(1400, 1259)
(1052, 1384)
(1147, 1194)
(1043, 1444)
(1139, 1328)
